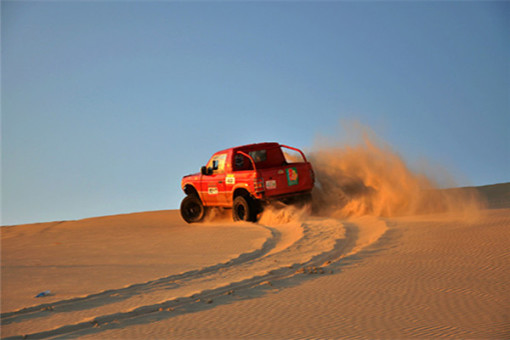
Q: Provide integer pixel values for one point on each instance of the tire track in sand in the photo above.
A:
(115, 295)
(323, 241)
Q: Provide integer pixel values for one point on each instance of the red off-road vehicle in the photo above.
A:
(246, 178)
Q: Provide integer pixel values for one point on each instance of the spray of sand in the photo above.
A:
(277, 214)
(371, 179)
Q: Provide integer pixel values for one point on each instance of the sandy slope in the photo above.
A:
(148, 275)
(427, 277)
(82, 258)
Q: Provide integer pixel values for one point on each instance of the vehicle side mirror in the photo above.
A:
(206, 171)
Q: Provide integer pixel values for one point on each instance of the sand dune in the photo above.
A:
(292, 275)
(427, 277)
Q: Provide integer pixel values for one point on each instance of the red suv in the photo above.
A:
(245, 178)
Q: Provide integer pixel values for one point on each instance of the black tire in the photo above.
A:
(244, 209)
(192, 209)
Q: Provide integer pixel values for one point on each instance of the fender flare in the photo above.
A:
(241, 186)
(189, 189)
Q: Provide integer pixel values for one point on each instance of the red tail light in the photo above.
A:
(258, 184)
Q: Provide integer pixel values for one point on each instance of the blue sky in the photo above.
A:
(106, 105)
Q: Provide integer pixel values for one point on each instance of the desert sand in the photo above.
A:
(291, 275)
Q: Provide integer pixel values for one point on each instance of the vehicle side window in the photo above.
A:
(242, 162)
(238, 161)
(217, 163)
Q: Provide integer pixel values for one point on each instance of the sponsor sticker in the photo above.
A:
(212, 191)
(271, 184)
(292, 176)
(230, 179)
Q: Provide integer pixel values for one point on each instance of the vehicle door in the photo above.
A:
(213, 184)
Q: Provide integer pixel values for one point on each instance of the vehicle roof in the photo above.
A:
(254, 146)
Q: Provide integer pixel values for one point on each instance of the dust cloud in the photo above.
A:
(371, 179)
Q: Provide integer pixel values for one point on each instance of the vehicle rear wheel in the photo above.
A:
(244, 209)
(192, 209)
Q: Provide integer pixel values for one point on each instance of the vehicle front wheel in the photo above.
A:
(192, 209)
(244, 209)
